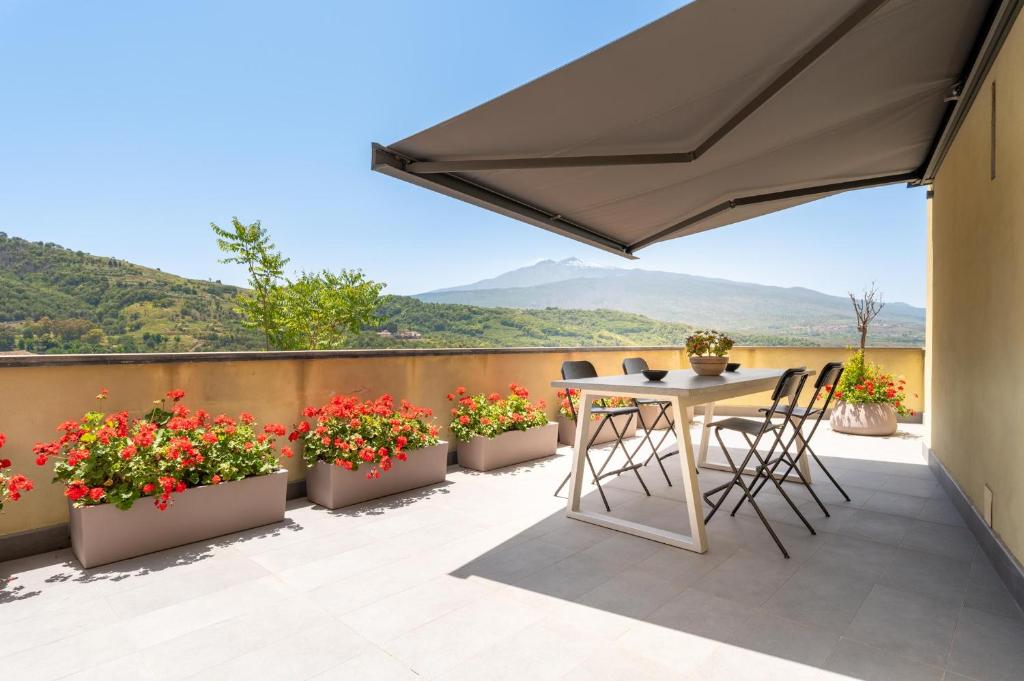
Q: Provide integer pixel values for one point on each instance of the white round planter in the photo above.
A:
(708, 366)
(863, 419)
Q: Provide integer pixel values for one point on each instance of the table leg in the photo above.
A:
(705, 434)
(695, 541)
(579, 451)
(694, 505)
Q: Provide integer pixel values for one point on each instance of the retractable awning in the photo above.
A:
(719, 112)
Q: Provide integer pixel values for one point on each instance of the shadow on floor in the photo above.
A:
(877, 593)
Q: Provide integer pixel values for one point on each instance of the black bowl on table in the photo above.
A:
(732, 366)
(654, 374)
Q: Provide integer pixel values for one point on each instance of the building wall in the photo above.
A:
(977, 273)
(276, 386)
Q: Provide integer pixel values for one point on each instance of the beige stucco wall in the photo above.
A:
(33, 400)
(977, 336)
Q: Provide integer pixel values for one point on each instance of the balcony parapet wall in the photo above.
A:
(39, 391)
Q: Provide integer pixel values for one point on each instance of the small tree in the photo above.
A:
(250, 245)
(866, 308)
(324, 308)
(315, 312)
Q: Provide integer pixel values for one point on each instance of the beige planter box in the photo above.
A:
(567, 429)
(333, 487)
(104, 534)
(515, 446)
(863, 419)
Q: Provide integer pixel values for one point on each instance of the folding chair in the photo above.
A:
(636, 365)
(788, 389)
(828, 381)
(583, 369)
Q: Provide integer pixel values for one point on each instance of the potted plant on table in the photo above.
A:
(358, 450)
(218, 474)
(709, 352)
(567, 423)
(11, 484)
(867, 399)
(495, 431)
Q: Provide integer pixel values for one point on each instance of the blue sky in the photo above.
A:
(128, 126)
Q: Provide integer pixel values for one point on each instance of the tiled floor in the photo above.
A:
(485, 578)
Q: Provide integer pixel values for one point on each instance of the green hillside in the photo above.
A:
(464, 326)
(54, 300)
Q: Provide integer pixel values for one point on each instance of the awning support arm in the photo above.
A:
(772, 196)
(390, 162)
(862, 11)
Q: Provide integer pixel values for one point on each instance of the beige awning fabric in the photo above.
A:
(719, 112)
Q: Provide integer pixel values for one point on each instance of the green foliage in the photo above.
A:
(262, 306)
(109, 458)
(708, 344)
(317, 311)
(491, 415)
(350, 433)
(865, 383)
(57, 300)
(320, 311)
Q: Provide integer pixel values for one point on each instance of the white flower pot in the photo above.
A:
(863, 419)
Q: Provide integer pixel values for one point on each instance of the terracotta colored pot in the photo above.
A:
(507, 449)
(104, 534)
(708, 366)
(333, 487)
(567, 429)
(863, 419)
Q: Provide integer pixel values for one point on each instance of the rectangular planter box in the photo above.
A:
(567, 429)
(333, 487)
(104, 534)
(515, 446)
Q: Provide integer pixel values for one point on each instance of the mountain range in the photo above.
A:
(746, 309)
(58, 300)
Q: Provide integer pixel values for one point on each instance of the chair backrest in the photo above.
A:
(829, 375)
(790, 383)
(828, 381)
(578, 369)
(634, 365)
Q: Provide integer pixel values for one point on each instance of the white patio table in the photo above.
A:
(682, 388)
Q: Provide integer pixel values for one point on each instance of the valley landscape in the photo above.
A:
(56, 300)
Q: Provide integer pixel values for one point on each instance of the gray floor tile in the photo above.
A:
(783, 638)
(820, 596)
(748, 577)
(918, 487)
(905, 623)
(944, 540)
(986, 591)
(860, 661)
(896, 503)
(941, 510)
(988, 647)
(631, 594)
(855, 557)
(702, 614)
(880, 527)
(938, 577)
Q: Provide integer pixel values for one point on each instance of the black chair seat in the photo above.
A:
(613, 411)
(742, 425)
